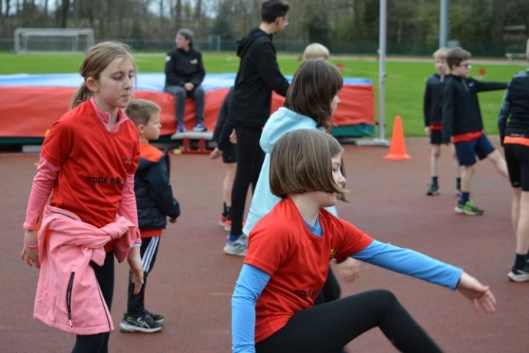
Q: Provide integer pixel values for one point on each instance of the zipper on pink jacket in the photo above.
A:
(69, 299)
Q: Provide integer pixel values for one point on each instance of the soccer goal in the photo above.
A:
(53, 40)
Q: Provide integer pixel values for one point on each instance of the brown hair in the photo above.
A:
(140, 111)
(97, 58)
(312, 90)
(301, 162)
(456, 56)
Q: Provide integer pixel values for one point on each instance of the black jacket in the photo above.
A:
(516, 105)
(433, 100)
(154, 195)
(223, 128)
(257, 77)
(461, 112)
(182, 67)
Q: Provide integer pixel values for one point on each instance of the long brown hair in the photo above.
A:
(312, 90)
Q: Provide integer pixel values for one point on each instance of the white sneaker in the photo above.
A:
(519, 275)
(238, 247)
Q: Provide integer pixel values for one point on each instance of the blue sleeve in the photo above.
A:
(249, 286)
(411, 263)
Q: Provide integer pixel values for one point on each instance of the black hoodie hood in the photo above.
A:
(246, 42)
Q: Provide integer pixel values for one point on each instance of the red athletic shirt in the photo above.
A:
(94, 163)
(282, 245)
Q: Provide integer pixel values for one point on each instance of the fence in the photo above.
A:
(296, 47)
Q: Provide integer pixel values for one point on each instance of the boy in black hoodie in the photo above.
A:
(463, 125)
(257, 77)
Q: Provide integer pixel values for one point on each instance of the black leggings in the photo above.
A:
(250, 158)
(328, 327)
(98, 343)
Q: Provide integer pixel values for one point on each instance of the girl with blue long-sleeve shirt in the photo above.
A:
(288, 258)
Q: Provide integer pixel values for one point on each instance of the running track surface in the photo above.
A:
(192, 281)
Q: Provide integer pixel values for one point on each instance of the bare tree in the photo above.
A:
(178, 14)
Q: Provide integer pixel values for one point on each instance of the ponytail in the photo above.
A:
(82, 94)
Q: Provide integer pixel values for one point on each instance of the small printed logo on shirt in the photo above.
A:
(194, 61)
(305, 293)
(471, 84)
(167, 58)
(332, 253)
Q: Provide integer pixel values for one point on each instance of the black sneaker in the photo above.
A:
(158, 318)
(144, 324)
(433, 190)
(519, 275)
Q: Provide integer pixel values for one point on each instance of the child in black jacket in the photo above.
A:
(463, 125)
(155, 202)
(433, 120)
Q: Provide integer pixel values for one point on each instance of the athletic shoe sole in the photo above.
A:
(126, 328)
(459, 210)
(228, 251)
(521, 277)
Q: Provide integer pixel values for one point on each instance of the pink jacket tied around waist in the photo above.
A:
(68, 295)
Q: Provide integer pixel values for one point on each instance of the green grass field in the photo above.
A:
(404, 85)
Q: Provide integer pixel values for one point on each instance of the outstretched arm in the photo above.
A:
(415, 264)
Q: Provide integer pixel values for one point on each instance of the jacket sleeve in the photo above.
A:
(489, 86)
(505, 111)
(222, 118)
(268, 69)
(426, 104)
(171, 78)
(226, 129)
(160, 189)
(201, 73)
(447, 111)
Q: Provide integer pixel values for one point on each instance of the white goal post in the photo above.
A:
(53, 40)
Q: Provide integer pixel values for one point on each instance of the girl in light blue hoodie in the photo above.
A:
(309, 104)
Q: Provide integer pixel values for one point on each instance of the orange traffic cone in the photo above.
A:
(397, 149)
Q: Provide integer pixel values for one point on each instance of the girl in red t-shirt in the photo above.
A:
(288, 258)
(87, 165)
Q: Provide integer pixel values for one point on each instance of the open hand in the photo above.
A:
(478, 293)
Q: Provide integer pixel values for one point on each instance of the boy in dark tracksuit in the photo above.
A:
(433, 120)
(155, 202)
(463, 125)
(257, 77)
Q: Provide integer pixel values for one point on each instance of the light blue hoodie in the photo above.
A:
(279, 123)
